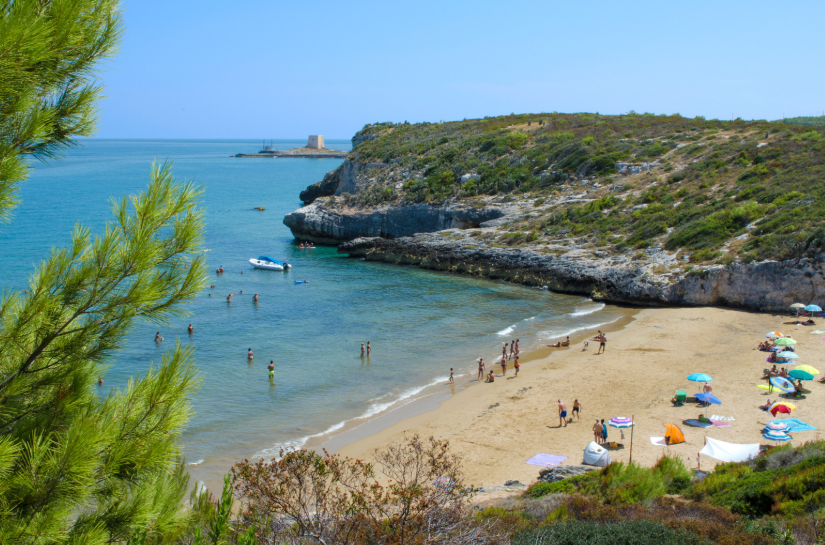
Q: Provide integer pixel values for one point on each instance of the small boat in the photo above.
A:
(268, 263)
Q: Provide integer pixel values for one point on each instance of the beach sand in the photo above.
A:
(497, 427)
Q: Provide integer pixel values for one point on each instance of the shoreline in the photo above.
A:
(496, 429)
(433, 396)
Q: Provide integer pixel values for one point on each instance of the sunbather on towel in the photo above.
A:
(766, 406)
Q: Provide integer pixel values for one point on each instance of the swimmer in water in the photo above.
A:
(255, 298)
(229, 298)
(100, 381)
(158, 338)
(190, 329)
(271, 368)
(369, 348)
(249, 355)
(362, 350)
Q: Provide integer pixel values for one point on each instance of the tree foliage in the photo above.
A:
(74, 467)
(50, 54)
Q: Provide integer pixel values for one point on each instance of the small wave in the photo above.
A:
(374, 409)
(199, 462)
(588, 310)
(553, 334)
(505, 332)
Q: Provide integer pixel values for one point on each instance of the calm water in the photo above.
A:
(419, 323)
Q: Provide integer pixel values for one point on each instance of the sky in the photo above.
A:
(278, 69)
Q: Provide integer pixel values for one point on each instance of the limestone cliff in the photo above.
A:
(761, 286)
(325, 225)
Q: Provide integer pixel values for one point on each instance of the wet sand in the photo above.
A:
(497, 427)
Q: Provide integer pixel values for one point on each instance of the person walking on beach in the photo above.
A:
(452, 380)
(480, 368)
(517, 350)
(516, 364)
(562, 414)
(504, 351)
(271, 368)
(577, 407)
(362, 350)
(512, 349)
(503, 366)
(597, 432)
(369, 349)
(249, 355)
(604, 432)
(602, 340)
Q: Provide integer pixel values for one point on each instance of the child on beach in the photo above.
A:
(516, 363)
(503, 366)
(452, 380)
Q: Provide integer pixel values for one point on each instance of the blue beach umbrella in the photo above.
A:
(708, 398)
(812, 308)
(699, 377)
(800, 374)
(776, 436)
(783, 384)
(788, 355)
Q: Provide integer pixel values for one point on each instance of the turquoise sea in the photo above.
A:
(419, 323)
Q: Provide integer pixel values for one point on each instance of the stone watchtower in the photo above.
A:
(316, 141)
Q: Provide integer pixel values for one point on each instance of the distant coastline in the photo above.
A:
(323, 153)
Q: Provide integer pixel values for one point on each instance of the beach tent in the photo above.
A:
(673, 435)
(595, 455)
(729, 452)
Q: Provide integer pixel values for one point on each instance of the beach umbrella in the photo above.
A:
(807, 369)
(797, 306)
(707, 398)
(699, 377)
(774, 335)
(621, 422)
(783, 384)
(812, 308)
(800, 375)
(777, 426)
(781, 409)
(788, 355)
(787, 404)
(776, 436)
(784, 341)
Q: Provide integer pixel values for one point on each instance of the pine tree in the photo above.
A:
(75, 468)
(50, 55)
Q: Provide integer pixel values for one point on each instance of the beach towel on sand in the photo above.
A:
(719, 423)
(722, 418)
(794, 424)
(658, 441)
(546, 460)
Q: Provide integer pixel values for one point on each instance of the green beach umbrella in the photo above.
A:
(784, 341)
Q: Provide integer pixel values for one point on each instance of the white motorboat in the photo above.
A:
(268, 263)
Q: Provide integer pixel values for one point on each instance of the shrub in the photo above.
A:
(623, 533)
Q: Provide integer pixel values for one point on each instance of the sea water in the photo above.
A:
(419, 323)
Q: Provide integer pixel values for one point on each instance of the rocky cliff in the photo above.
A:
(325, 225)
(760, 286)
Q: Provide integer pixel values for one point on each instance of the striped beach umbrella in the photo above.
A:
(783, 384)
(777, 426)
(776, 436)
(807, 369)
(774, 335)
(621, 422)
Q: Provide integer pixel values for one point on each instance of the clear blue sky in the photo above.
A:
(278, 69)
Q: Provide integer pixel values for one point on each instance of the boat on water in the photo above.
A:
(269, 264)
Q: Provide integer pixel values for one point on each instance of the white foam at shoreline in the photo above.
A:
(507, 331)
(375, 408)
(199, 462)
(587, 311)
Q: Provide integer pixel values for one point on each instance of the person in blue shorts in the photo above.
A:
(562, 414)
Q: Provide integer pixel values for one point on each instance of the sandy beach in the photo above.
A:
(497, 427)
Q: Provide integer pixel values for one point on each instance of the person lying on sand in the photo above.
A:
(766, 406)
(557, 345)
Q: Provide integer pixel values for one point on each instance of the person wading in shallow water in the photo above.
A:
(271, 368)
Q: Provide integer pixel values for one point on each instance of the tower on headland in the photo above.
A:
(316, 141)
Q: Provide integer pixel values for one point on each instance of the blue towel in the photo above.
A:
(794, 424)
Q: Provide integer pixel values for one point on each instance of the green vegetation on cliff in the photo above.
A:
(816, 120)
(720, 190)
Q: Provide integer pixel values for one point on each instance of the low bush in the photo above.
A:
(622, 533)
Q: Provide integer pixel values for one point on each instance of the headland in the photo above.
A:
(313, 150)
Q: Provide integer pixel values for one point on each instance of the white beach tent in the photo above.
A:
(594, 455)
(729, 452)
